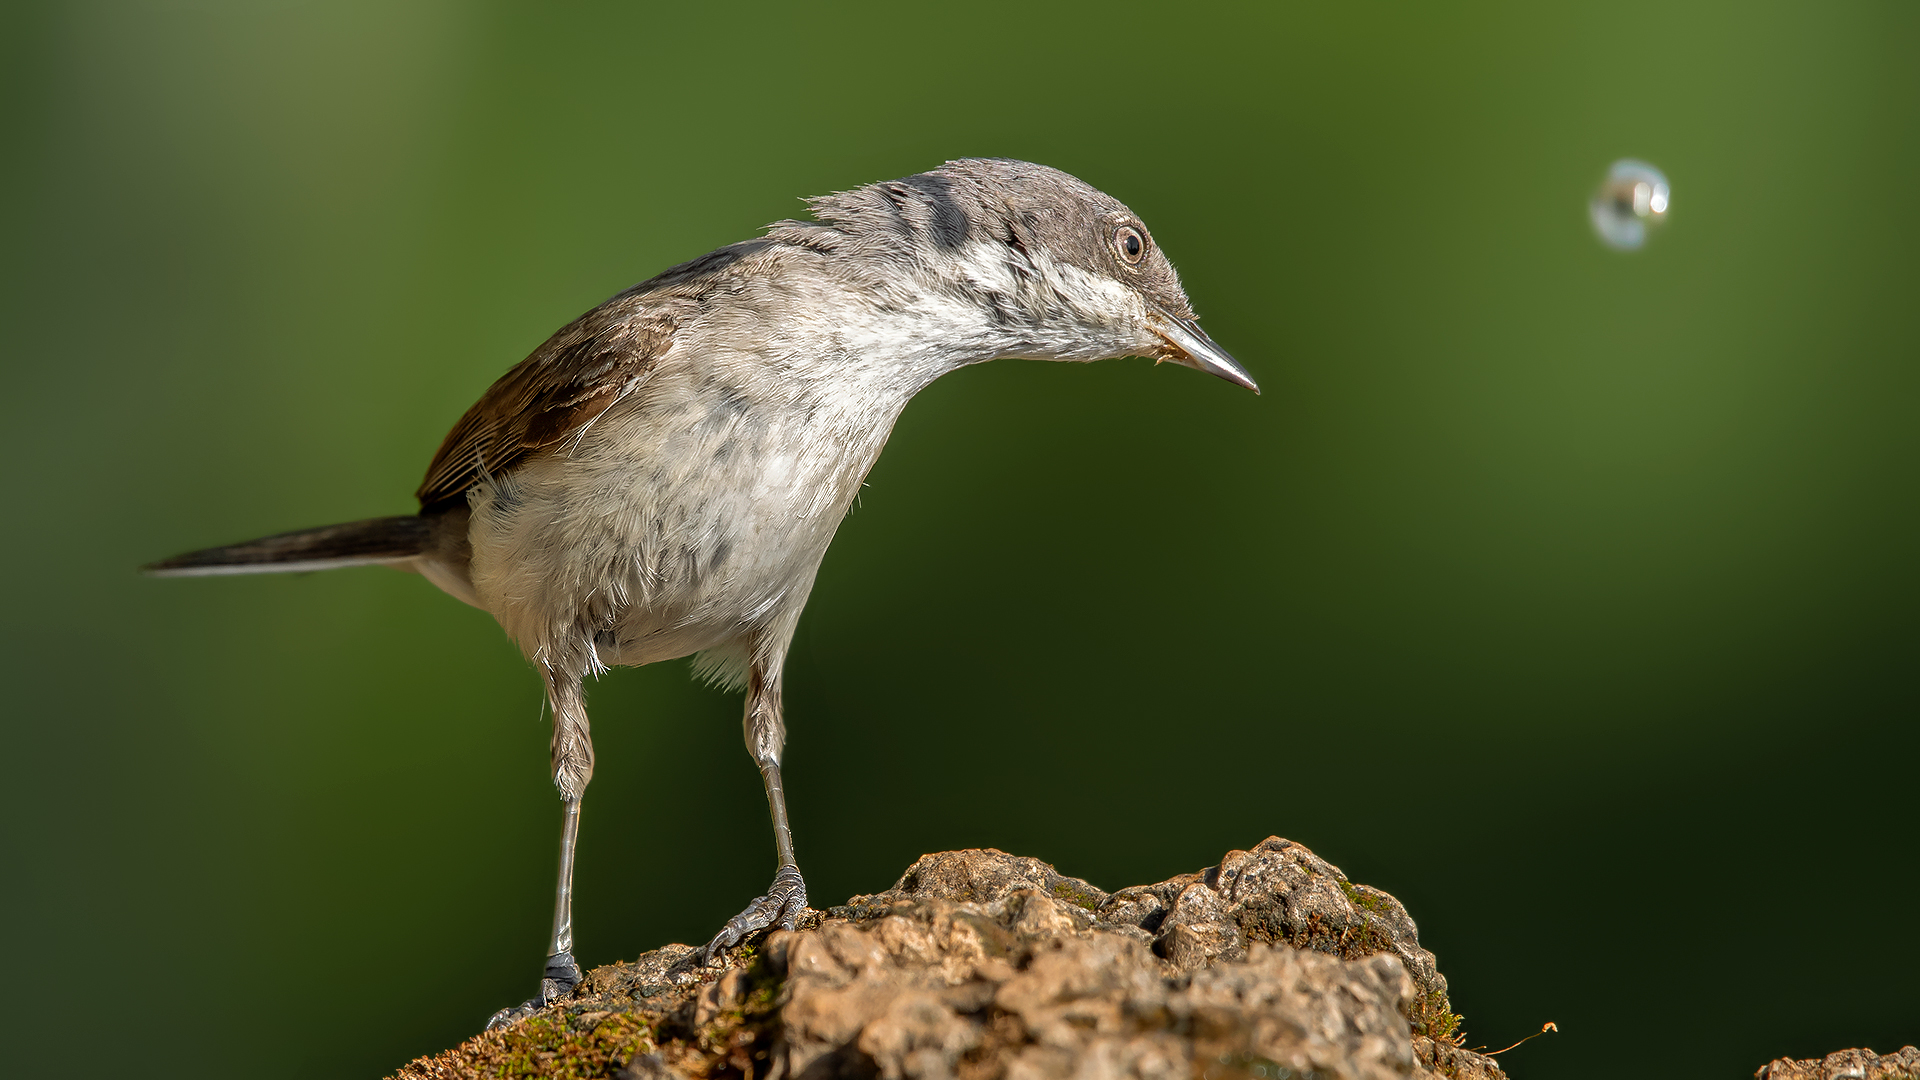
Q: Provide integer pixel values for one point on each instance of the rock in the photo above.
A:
(1846, 1065)
(980, 964)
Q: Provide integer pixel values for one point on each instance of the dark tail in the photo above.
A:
(356, 543)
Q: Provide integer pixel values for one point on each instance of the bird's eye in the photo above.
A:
(1130, 244)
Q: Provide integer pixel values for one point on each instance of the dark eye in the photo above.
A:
(1130, 244)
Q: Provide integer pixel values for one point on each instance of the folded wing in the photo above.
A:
(556, 393)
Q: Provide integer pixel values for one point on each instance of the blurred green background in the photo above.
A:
(1567, 595)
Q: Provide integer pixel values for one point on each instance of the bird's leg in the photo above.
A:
(572, 768)
(766, 735)
(562, 973)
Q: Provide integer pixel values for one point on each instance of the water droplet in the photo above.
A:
(1634, 196)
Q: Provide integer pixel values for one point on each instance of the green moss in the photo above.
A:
(1364, 940)
(564, 1046)
(1366, 899)
(738, 1039)
(1079, 898)
(1433, 1016)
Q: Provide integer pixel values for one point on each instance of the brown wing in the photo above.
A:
(593, 362)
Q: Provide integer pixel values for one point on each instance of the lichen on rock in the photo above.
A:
(979, 964)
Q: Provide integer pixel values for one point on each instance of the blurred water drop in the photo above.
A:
(1634, 196)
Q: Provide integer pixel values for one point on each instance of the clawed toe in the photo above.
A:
(783, 905)
(513, 1014)
(556, 984)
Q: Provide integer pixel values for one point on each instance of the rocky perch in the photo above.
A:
(978, 964)
(1846, 1065)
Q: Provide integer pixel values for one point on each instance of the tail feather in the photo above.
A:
(356, 543)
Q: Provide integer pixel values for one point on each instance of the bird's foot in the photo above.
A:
(557, 984)
(783, 905)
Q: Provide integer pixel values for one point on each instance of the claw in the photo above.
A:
(556, 984)
(783, 905)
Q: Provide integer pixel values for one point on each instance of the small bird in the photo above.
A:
(662, 477)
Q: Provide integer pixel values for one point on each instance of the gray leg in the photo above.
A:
(572, 768)
(786, 900)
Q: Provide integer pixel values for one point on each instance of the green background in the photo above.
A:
(1567, 595)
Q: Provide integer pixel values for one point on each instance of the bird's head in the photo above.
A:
(1061, 269)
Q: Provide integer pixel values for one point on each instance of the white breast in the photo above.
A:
(695, 513)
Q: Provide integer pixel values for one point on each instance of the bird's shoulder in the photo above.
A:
(576, 375)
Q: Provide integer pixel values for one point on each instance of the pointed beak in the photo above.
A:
(1189, 346)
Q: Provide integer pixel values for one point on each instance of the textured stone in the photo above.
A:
(979, 965)
(1846, 1065)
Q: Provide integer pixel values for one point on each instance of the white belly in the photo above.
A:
(686, 521)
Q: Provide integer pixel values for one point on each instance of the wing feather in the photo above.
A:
(552, 395)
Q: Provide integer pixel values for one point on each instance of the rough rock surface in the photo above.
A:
(979, 964)
(1846, 1065)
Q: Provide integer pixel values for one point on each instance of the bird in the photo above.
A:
(661, 478)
